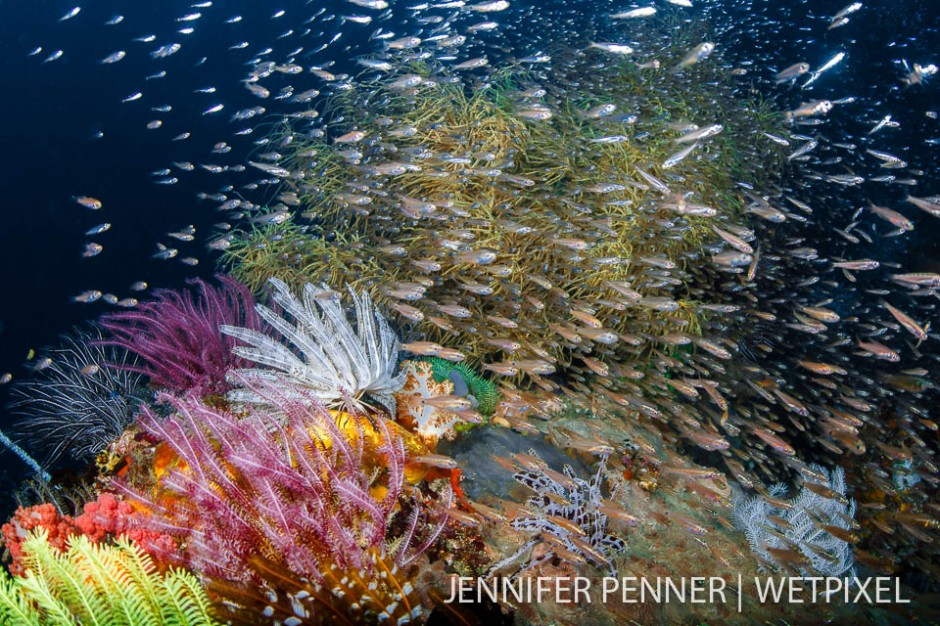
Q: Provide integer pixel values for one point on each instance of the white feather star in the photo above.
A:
(331, 357)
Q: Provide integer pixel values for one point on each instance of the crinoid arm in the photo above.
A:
(323, 349)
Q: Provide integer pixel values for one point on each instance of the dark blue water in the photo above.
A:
(51, 115)
(66, 132)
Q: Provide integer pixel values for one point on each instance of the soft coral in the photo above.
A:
(102, 520)
(58, 528)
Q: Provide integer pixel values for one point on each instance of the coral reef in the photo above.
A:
(812, 533)
(57, 530)
(381, 593)
(466, 243)
(108, 517)
(286, 483)
(336, 358)
(68, 499)
(610, 243)
(597, 228)
(82, 396)
(177, 337)
(99, 584)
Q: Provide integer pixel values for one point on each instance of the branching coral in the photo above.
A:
(285, 483)
(177, 335)
(499, 231)
(813, 534)
(286, 251)
(336, 357)
(83, 396)
(95, 584)
(428, 422)
(567, 510)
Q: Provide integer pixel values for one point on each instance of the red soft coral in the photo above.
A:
(59, 528)
(104, 519)
(106, 516)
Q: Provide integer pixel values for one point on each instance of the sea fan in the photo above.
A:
(99, 584)
(332, 357)
(177, 335)
(83, 396)
(810, 525)
(295, 484)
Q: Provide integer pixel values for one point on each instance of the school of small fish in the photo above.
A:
(726, 273)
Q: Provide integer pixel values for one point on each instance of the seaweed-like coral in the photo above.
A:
(83, 396)
(177, 335)
(284, 251)
(813, 534)
(288, 484)
(515, 237)
(336, 359)
(99, 584)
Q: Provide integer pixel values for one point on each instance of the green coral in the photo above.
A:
(98, 584)
(482, 389)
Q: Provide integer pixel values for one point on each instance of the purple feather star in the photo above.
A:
(177, 337)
